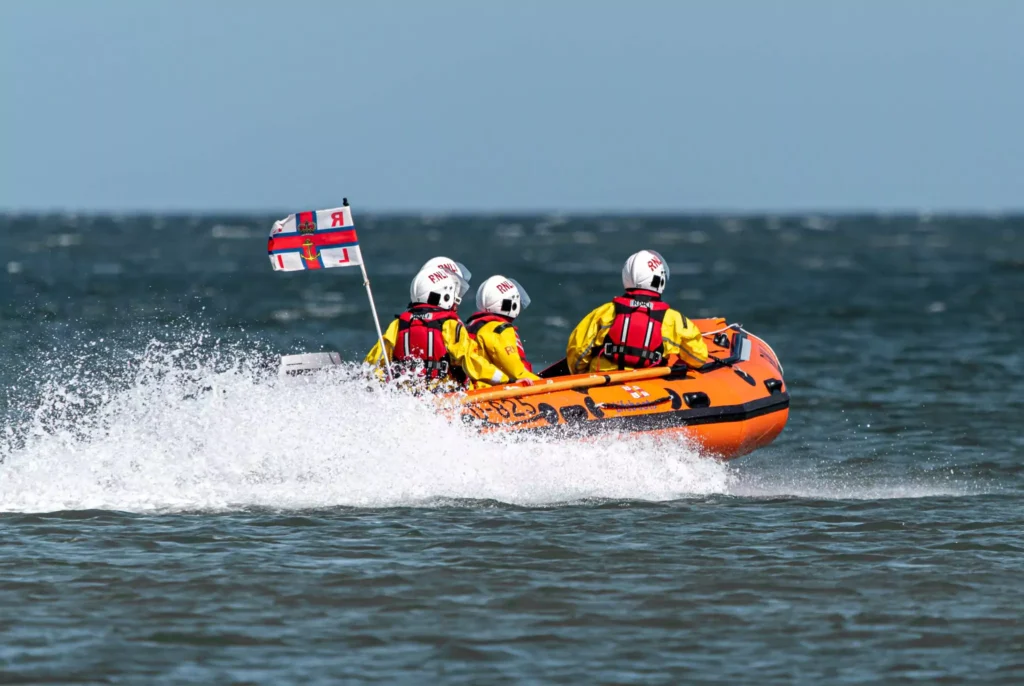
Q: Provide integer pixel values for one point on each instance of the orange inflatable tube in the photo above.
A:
(733, 405)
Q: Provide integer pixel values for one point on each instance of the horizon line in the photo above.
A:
(598, 212)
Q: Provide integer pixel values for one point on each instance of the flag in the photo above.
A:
(314, 240)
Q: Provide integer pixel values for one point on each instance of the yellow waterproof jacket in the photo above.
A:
(583, 353)
(462, 351)
(498, 341)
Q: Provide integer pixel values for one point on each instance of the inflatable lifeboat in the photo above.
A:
(733, 405)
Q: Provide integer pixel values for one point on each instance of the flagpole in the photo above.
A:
(373, 307)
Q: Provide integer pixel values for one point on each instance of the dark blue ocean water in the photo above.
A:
(169, 513)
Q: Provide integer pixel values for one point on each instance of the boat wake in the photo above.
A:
(224, 434)
(178, 428)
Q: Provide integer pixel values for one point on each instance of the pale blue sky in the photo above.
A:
(534, 104)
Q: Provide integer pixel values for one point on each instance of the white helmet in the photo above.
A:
(437, 287)
(502, 296)
(647, 270)
(449, 264)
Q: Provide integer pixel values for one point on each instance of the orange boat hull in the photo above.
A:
(731, 407)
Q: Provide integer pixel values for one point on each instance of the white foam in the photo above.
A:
(152, 443)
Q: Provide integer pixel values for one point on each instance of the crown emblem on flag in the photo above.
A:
(307, 227)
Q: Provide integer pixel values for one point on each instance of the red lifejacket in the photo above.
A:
(634, 339)
(420, 340)
(477, 321)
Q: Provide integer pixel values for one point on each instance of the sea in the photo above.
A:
(171, 512)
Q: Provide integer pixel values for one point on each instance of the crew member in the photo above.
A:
(637, 329)
(429, 338)
(432, 265)
(498, 302)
